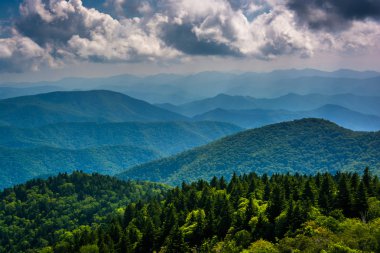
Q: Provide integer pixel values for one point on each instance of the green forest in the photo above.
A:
(305, 146)
(249, 213)
(43, 211)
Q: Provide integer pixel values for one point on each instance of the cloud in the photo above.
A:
(18, 54)
(256, 29)
(64, 31)
(68, 31)
(334, 15)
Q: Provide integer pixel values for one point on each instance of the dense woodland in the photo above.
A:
(250, 213)
(43, 212)
(305, 146)
(106, 148)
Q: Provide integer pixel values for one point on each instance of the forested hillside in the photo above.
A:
(106, 148)
(79, 106)
(250, 213)
(304, 146)
(164, 137)
(44, 212)
(20, 165)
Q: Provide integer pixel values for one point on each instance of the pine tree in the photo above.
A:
(222, 183)
(276, 203)
(367, 180)
(361, 201)
(267, 192)
(214, 182)
(249, 213)
(355, 181)
(309, 193)
(344, 198)
(326, 193)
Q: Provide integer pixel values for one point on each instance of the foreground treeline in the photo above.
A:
(43, 212)
(251, 213)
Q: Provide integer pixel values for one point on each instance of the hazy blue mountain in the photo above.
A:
(19, 165)
(79, 106)
(304, 146)
(9, 92)
(290, 102)
(164, 138)
(341, 73)
(249, 118)
(92, 147)
(259, 117)
(179, 89)
(221, 101)
(294, 102)
(346, 118)
(269, 86)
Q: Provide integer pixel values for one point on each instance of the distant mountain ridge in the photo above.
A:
(181, 88)
(261, 117)
(304, 146)
(290, 102)
(9, 92)
(79, 106)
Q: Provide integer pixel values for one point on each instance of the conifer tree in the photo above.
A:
(344, 198)
(367, 180)
(361, 201)
(309, 192)
(276, 203)
(326, 193)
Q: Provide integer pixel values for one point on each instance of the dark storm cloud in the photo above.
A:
(182, 38)
(57, 32)
(334, 15)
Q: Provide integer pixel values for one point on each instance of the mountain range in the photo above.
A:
(259, 117)
(291, 102)
(304, 146)
(164, 137)
(361, 113)
(79, 106)
(108, 132)
(93, 147)
(179, 89)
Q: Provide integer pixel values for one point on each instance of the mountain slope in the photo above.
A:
(305, 146)
(164, 137)
(259, 117)
(291, 102)
(19, 165)
(105, 148)
(79, 106)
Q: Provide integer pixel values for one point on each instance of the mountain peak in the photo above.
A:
(304, 146)
(80, 106)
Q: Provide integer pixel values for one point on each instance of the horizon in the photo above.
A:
(56, 39)
(24, 80)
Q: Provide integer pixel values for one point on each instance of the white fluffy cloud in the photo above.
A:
(51, 32)
(21, 53)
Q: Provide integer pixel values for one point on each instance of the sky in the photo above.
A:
(52, 39)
